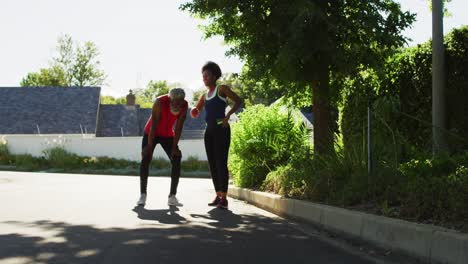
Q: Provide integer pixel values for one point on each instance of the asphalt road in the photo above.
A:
(64, 218)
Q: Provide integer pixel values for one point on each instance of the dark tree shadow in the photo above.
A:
(256, 240)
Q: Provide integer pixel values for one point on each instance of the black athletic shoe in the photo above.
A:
(223, 203)
(215, 202)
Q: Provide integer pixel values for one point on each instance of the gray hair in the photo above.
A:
(177, 93)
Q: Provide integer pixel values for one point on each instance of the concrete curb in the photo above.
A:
(429, 243)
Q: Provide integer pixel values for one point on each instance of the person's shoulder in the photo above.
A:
(223, 87)
(163, 97)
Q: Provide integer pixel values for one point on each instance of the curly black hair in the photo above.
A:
(213, 68)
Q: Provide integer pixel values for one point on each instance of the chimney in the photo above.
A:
(131, 98)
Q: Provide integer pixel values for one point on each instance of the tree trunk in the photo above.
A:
(323, 133)
(439, 121)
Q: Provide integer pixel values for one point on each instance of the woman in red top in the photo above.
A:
(168, 110)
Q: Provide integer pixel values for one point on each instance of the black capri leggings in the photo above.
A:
(217, 141)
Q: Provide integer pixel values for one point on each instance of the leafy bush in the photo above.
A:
(5, 156)
(58, 157)
(160, 163)
(28, 162)
(264, 139)
(435, 188)
(287, 181)
(404, 87)
(108, 163)
(194, 164)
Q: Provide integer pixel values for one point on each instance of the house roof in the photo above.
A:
(308, 116)
(76, 110)
(118, 121)
(49, 110)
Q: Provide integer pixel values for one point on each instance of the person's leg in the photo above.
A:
(210, 154)
(222, 143)
(166, 144)
(144, 166)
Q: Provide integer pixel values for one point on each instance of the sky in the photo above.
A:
(139, 40)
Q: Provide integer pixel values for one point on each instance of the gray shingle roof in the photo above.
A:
(195, 123)
(308, 116)
(143, 117)
(55, 110)
(76, 110)
(118, 120)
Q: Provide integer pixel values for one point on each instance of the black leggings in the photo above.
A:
(217, 140)
(166, 144)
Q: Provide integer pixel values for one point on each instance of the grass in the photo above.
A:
(58, 160)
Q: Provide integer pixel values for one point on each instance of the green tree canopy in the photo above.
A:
(74, 65)
(300, 43)
(153, 89)
(53, 76)
(144, 96)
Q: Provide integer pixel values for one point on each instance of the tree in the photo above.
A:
(444, 2)
(74, 65)
(439, 121)
(85, 70)
(65, 58)
(143, 96)
(255, 89)
(153, 89)
(108, 99)
(53, 76)
(301, 42)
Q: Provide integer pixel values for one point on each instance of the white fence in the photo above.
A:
(128, 148)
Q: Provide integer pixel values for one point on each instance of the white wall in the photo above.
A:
(128, 148)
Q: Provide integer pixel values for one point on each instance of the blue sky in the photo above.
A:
(139, 40)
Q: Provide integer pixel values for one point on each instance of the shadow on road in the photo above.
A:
(163, 216)
(257, 240)
(222, 218)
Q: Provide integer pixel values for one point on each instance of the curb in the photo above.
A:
(430, 243)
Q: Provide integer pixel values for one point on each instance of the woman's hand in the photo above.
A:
(194, 113)
(175, 152)
(226, 121)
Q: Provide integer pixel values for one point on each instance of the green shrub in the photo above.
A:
(192, 163)
(28, 162)
(109, 163)
(287, 181)
(264, 139)
(436, 188)
(5, 156)
(405, 81)
(160, 163)
(58, 157)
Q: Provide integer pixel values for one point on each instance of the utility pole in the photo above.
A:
(439, 142)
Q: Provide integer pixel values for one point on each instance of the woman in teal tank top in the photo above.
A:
(218, 132)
